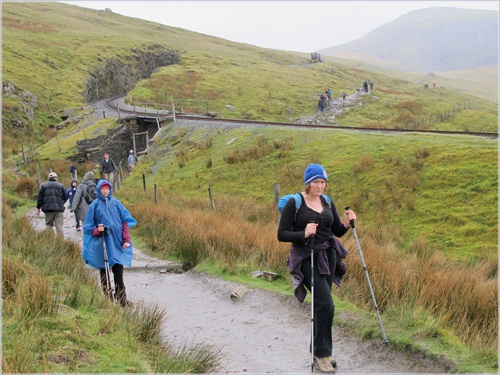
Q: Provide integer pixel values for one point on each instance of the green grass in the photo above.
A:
(55, 318)
(442, 187)
(480, 82)
(427, 197)
(52, 57)
(424, 195)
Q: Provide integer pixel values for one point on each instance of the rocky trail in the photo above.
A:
(261, 332)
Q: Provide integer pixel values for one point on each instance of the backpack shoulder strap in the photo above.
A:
(298, 203)
(327, 199)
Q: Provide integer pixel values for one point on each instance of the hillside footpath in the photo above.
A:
(262, 332)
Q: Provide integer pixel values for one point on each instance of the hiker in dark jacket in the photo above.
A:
(108, 168)
(51, 199)
(70, 193)
(81, 205)
(316, 217)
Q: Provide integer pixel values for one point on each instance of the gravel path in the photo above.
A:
(261, 332)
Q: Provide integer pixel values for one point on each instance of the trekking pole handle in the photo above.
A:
(312, 235)
(350, 221)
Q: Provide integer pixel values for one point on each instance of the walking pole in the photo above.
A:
(368, 279)
(311, 241)
(110, 290)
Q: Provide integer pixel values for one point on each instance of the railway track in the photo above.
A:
(112, 105)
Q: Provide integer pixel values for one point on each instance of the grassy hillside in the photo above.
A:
(479, 82)
(422, 201)
(52, 56)
(427, 209)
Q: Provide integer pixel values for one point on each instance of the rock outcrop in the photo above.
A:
(119, 75)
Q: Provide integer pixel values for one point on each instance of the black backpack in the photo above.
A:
(90, 193)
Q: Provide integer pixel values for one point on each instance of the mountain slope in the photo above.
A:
(433, 39)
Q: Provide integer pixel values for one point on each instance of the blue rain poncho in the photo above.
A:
(110, 212)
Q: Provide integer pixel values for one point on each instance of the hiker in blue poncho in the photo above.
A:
(114, 216)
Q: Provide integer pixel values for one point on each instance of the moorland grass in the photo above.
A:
(421, 200)
(427, 219)
(55, 319)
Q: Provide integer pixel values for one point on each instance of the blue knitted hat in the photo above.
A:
(313, 172)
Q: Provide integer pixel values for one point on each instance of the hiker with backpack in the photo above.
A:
(132, 160)
(107, 228)
(108, 168)
(310, 221)
(84, 196)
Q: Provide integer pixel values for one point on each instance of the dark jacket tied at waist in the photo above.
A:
(299, 252)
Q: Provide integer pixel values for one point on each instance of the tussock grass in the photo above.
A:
(461, 297)
(55, 318)
(437, 195)
(146, 321)
(414, 196)
(27, 187)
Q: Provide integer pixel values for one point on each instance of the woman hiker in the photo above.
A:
(81, 200)
(318, 217)
(108, 217)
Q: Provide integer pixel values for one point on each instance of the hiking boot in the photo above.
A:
(324, 365)
(78, 228)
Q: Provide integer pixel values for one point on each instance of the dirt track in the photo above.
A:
(260, 333)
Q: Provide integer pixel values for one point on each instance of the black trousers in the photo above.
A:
(117, 269)
(324, 308)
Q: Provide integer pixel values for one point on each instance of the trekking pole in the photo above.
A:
(110, 290)
(368, 279)
(311, 242)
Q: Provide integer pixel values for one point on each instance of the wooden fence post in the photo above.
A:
(83, 130)
(276, 194)
(144, 181)
(156, 196)
(57, 138)
(212, 203)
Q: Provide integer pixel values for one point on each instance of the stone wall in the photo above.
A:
(117, 142)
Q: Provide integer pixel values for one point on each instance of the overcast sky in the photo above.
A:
(301, 25)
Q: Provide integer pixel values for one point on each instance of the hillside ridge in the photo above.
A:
(432, 39)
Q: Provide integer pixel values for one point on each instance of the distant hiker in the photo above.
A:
(321, 103)
(328, 93)
(316, 216)
(371, 86)
(73, 172)
(344, 96)
(132, 160)
(70, 193)
(365, 85)
(108, 168)
(426, 86)
(116, 223)
(84, 197)
(434, 84)
(97, 173)
(51, 199)
(323, 99)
